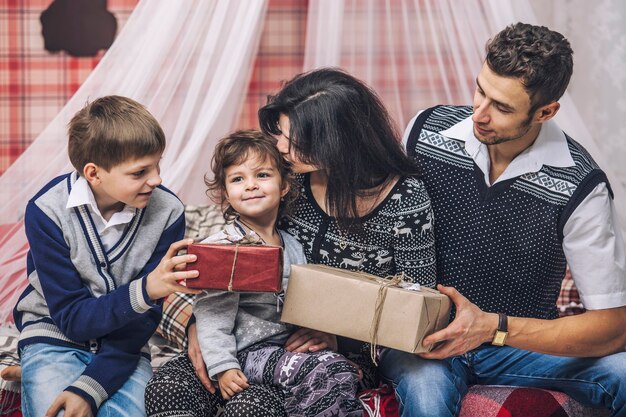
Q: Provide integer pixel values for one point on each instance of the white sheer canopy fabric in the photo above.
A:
(419, 53)
(190, 62)
(598, 86)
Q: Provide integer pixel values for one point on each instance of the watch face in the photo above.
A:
(499, 338)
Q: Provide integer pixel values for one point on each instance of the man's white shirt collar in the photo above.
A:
(550, 148)
(81, 194)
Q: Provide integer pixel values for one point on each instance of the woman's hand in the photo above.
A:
(195, 356)
(309, 340)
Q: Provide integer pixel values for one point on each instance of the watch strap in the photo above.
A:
(499, 338)
(503, 322)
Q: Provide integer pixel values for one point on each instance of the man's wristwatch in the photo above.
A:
(502, 331)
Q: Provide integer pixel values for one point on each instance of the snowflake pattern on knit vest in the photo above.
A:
(500, 246)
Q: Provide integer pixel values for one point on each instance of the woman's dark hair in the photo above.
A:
(235, 149)
(341, 126)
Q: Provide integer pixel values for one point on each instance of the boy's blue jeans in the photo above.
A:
(48, 369)
(436, 388)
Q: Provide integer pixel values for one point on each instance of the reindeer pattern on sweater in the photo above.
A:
(396, 236)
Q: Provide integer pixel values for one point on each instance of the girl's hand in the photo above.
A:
(166, 277)
(309, 340)
(232, 382)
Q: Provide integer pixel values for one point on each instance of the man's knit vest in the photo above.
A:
(500, 246)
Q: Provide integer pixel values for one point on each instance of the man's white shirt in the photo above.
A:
(592, 239)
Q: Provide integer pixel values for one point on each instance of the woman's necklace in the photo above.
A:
(375, 198)
(343, 237)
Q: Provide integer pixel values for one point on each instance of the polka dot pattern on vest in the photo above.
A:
(500, 246)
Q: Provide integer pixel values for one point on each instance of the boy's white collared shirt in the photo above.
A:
(110, 231)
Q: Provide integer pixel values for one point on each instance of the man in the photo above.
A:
(515, 200)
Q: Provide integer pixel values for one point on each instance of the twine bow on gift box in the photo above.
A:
(250, 238)
(388, 281)
(232, 271)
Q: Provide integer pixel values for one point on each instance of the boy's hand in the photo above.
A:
(165, 278)
(232, 382)
(309, 340)
(73, 404)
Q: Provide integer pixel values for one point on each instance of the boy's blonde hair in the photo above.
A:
(235, 149)
(112, 130)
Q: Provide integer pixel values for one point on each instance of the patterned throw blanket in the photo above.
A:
(9, 391)
(160, 350)
(484, 401)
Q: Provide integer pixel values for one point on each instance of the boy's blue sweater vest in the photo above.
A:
(85, 297)
(500, 246)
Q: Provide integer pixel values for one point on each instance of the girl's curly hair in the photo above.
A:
(236, 148)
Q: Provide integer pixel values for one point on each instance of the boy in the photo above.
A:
(98, 263)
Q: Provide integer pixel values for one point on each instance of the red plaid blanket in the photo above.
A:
(492, 401)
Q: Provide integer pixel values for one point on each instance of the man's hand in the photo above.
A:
(309, 340)
(195, 356)
(232, 382)
(470, 328)
(12, 373)
(166, 277)
(73, 404)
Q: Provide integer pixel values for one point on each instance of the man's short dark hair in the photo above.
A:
(540, 57)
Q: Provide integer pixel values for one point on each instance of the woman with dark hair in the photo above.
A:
(332, 121)
(360, 192)
(361, 205)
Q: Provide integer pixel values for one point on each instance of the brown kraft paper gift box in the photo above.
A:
(253, 268)
(344, 302)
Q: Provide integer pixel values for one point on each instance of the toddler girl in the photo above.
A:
(241, 337)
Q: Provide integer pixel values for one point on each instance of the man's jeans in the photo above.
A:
(436, 388)
(48, 369)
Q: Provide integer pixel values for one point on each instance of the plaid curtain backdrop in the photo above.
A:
(204, 68)
(35, 84)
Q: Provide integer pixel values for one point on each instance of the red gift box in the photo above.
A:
(232, 267)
